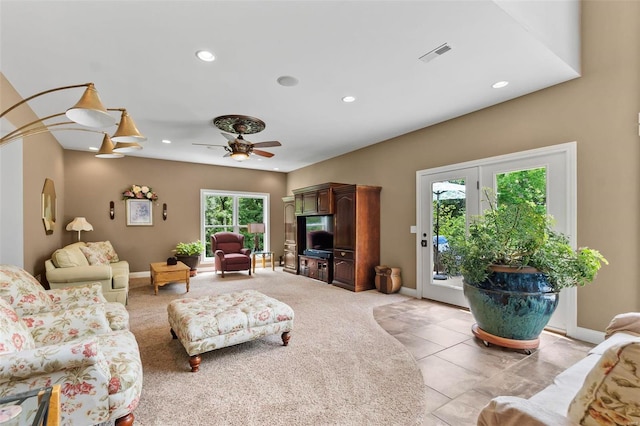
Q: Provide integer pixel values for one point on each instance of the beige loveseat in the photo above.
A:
(85, 263)
(601, 389)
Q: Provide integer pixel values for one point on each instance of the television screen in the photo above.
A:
(319, 232)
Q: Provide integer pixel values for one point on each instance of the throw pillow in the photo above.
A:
(609, 394)
(69, 257)
(94, 256)
(23, 292)
(14, 336)
(107, 250)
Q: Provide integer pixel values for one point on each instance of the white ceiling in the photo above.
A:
(141, 55)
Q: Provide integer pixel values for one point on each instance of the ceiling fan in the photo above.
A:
(238, 147)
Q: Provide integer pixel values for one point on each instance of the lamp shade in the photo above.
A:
(89, 110)
(106, 149)
(79, 224)
(127, 147)
(127, 130)
(255, 228)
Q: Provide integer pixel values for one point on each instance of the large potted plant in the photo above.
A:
(189, 254)
(514, 265)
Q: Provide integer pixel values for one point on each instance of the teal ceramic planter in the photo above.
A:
(513, 304)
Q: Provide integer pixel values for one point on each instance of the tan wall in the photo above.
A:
(43, 158)
(598, 110)
(91, 183)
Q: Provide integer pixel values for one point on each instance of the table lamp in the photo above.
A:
(256, 229)
(79, 224)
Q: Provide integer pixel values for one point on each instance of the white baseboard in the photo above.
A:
(412, 292)
(588, 335)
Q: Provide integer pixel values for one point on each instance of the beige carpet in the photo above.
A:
(340, 367)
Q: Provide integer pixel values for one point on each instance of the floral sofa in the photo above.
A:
(86, 263)
(68, 337)
(601, 389)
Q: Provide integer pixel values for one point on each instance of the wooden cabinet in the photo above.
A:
(290, 236)
(315, 200)
(356, 236)
(319, 269)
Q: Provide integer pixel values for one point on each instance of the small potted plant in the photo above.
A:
(514, 265)
(189, 254)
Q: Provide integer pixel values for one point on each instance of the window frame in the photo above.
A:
(236, 195)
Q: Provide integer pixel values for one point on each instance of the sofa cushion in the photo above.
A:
(69, 256)
(94, 256)
(23, 292)
(610, 391)
(14, 335)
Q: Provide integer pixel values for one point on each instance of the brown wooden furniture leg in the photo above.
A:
(194, 361)
(125, 420)
(285, 338)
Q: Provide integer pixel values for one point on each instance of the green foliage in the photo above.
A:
(523, 186)
(519, 235)
(189, 249)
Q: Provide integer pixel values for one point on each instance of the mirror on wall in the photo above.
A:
(49, 206)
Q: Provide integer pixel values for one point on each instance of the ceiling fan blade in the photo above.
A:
(267, 144)
(262, 153)
(231, 138)
(207, 144)
(228, 154)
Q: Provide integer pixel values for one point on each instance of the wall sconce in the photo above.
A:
(112, 210)
(89, 112)
(164, 211)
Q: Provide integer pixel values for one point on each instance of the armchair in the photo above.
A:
(229, 252)
(26, 296)
(99, 370)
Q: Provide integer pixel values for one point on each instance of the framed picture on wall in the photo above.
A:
(139, 212)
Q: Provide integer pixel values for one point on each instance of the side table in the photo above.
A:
(162, 274)
(38, 406)
(264, 254)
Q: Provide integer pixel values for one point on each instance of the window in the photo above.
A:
(231, 212)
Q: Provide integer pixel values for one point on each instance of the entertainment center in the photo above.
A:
(332, 234)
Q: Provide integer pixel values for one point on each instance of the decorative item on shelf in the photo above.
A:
(89, 112)
(112, 210)
(164, 211)
(514, 265)
(256, 229)
(49, 204)
(189, 254)
(79, 224)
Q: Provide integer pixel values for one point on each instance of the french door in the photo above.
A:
(450, 196)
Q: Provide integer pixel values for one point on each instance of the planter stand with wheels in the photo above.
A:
(527, 346)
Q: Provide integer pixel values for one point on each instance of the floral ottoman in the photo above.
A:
(213, 322)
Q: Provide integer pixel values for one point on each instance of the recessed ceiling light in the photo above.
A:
(276, 168)
(93, 148)
(287, 80)
(500, 84)
(205, 55)
(166, 141)
(348, 99)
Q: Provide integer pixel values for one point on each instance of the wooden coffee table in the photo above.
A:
(162, 274)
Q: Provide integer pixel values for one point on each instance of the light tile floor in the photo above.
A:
(461, 375)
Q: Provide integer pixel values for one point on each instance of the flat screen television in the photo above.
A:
(319, 234)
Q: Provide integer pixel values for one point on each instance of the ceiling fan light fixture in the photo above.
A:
(240, 156)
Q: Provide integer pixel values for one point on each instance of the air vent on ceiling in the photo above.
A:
(438, 51)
